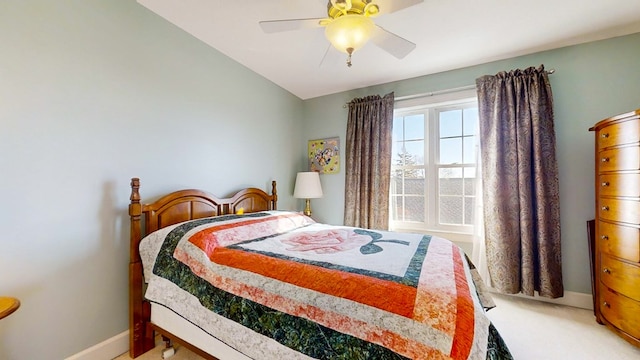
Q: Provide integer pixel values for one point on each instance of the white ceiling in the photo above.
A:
(449, 34)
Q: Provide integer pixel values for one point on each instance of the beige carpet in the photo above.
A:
(156, 354)
(533, 330)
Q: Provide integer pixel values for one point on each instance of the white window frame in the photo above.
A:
(429, 105)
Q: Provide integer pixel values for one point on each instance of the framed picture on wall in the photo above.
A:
(324, 155)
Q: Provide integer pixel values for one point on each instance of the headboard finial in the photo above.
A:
(135, 187)
(135, 209)
(274, 194)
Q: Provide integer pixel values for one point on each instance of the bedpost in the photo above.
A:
(135, 211)
(274, 194)
(141, 337)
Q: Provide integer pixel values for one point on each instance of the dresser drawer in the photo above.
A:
(620, 241)
(620, 311)
(622, 277)
(625, 132)
(627, 211)
(625, 158)
(620, 185)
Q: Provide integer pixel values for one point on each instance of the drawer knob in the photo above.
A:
(605, 208)
(606, 271)
(605, 135)
(604, 237)
(605, 159)
(606, 304)
(605, 184)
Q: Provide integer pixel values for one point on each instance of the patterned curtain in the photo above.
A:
(368, 162)
(520, 182)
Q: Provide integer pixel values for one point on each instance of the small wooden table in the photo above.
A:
(8, 305)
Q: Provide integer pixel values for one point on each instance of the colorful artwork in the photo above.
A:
(324, 155)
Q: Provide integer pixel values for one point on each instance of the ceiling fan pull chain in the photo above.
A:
(349, 51)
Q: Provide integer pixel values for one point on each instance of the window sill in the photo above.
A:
(449, 235)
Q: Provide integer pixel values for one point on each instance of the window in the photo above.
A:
(433, 171)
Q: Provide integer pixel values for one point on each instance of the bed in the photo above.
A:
(236, 278)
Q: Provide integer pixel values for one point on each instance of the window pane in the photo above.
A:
(395, 188)
(396, 208)
(470, 121)
(414, 153)
(469, 150)
(398, 128)
(396, 152)
(408, 153)
(450, 210)
(414, 208)
(451, 151)
(469, 181)
(470, 186)
(469, 172)
(469, 203)
(450, 123)
(414, 127)
(450, 181)
(414, 182)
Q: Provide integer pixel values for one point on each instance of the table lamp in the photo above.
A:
(307, 187)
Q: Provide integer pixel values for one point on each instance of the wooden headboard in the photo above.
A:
(171, 209)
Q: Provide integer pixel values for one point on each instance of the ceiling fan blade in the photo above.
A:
(391, 6)
(392, 43)
(273, 26)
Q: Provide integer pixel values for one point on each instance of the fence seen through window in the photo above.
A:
(433, 172)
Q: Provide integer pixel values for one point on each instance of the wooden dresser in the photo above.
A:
(617, 226)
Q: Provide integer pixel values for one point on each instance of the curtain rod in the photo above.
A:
(438, 92)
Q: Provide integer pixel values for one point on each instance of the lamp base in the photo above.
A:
(307, 207)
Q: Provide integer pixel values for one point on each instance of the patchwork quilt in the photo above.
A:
(277, 285)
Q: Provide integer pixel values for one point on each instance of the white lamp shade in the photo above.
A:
(307, 185)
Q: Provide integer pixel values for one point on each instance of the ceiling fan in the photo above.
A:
(349, 26)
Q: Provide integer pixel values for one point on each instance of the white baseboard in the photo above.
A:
(108, 349)
(570, 298)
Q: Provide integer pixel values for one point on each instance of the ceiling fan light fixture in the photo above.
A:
(349, 26)
(342, 5)
(371, 9)
(349, 32)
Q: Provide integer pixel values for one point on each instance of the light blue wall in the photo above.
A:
(93, 93)
(592, 81)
